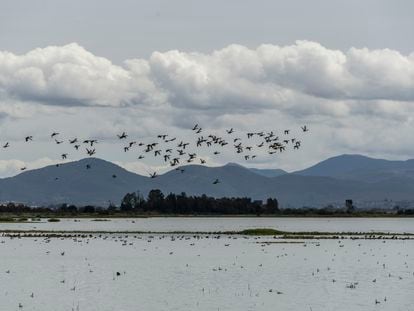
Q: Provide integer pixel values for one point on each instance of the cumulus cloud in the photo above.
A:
(233, 78)
(71, 76)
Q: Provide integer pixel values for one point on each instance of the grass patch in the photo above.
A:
(6, 219)
(53, 220)
(261, 231)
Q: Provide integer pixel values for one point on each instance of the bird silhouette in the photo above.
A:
(90, 152)
(122, 136)
(90, 142)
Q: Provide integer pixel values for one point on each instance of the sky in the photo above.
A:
(93, 69)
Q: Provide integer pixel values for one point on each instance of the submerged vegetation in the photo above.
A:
(254, 232)
(53, 220)
(261, 231)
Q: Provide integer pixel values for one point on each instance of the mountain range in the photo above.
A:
(332, 181)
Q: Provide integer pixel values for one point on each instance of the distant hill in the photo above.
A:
(71, 183)
(268, 172)
(361, 168)
(331, 181)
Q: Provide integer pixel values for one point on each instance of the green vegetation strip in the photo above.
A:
(248, 232)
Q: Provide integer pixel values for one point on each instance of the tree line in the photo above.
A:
(182, 204)
(156, 203)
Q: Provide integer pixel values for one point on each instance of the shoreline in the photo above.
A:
(22, 218)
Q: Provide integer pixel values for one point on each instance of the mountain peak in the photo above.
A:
(233, 164)
(352, 164)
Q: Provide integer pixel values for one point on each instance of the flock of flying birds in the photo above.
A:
(174, 152)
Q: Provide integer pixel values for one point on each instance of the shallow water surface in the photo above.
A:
(214, 224)
(201, 272)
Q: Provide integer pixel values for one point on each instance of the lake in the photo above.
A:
(214, 224)
(121, 272)
(129, 271)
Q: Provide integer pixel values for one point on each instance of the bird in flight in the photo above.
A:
(90, 152)
(213, 143)
(90, 141)
(122, 136)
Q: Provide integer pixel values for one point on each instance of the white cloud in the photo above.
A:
(235, 77)
(71, 76)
